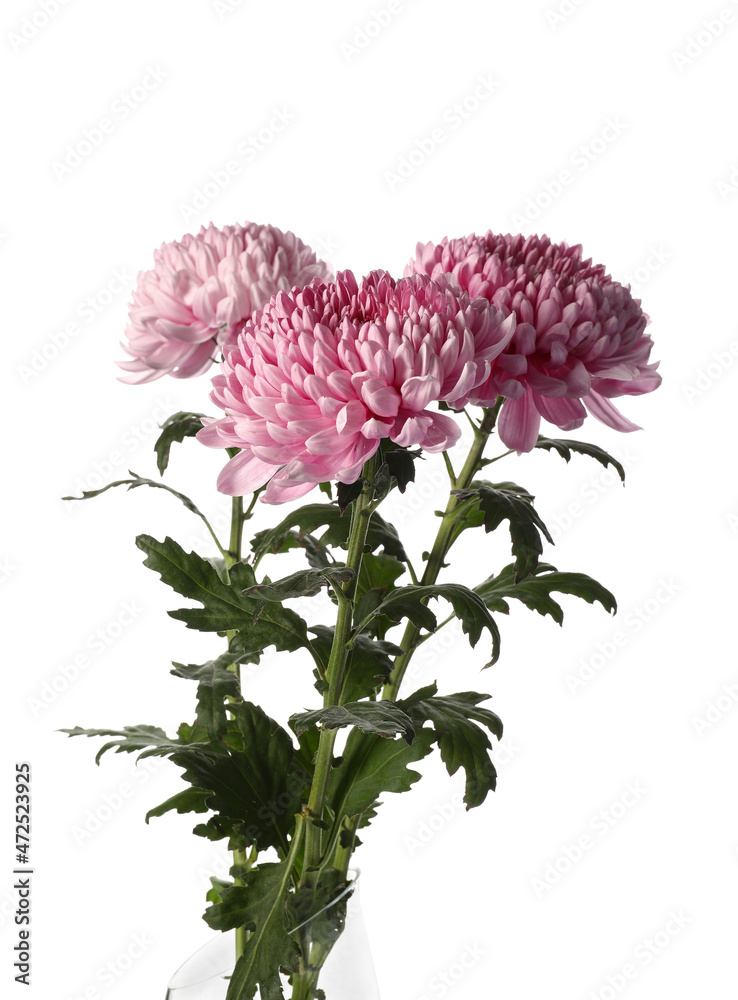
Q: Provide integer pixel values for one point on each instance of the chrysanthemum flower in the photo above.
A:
(202, 288)
(324, 373)
(579, 339)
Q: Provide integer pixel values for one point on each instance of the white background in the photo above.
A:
(643, 120)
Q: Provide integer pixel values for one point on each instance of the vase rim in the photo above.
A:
(354, 874)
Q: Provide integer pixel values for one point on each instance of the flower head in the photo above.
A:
(202, 288)
(324, 373)
(579, 339)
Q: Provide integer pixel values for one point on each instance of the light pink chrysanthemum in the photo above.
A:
(202, 288)
(324, 373)
(579, 339)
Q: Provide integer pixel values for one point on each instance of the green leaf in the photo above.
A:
(258, 905)
(535, 590)
(317, 916)
(259, 788)
(215, 683)
(498, 502)
(137, 481)
(313, 516)
(409, 602)
(461, 741)
(565, 447)
(223, 605)
(174, 429)
(377, 578)
(218, 885)
(303, 583)
(189, 800)
(368, 665)
(152, 740)
(348, 492)
(401, 465)
(370, 766)
(382, 718)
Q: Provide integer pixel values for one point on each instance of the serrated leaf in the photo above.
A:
(461, 741)
(303, 583)
(401, 465)
(377, 577)
(215, 683)
(346, 493)
(368, 664)
(260, 787)
(224, 608)
(217, 886)
(313, 516)
(133, 483)
(152, 740)
(189, 800)
(535, 590)
(383, 718)
(176, 428)
(258, 905)
(565, 447)
(409, 602)
(498, 502)
(317, 914)
(371, 766)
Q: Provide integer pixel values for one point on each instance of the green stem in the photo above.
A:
(342, 857)
(360, 517)
(234, 546)
(233, 556)
(443, 542)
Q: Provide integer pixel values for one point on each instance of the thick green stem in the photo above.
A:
(240, 858)
(443, 542)
(360, 517)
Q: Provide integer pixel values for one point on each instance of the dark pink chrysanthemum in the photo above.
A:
(579, 339)
(325, 372)
(202, 288)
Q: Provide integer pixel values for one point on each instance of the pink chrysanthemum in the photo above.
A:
(202, 288)
(579, 339)
(324, 373)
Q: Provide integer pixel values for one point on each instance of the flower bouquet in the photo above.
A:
(341, 386)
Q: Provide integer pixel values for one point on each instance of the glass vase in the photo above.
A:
(343, 967)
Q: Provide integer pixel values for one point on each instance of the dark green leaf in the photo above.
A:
(401, 465)
(317, 554)
(313, 516)
(258, 905)
(498, 502)
(303, 583)
(565, 447)
(348, 492)
(370, 766)
(409, 602)
(318, 914)
(152, 740)
(190, 800)
(377, 578)
(223, 605)
(535, 590)
(368, 665)
(136, 481)
(382, 718)
(175, 428)
(461, 741)
(215, 683)
(260, 787)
